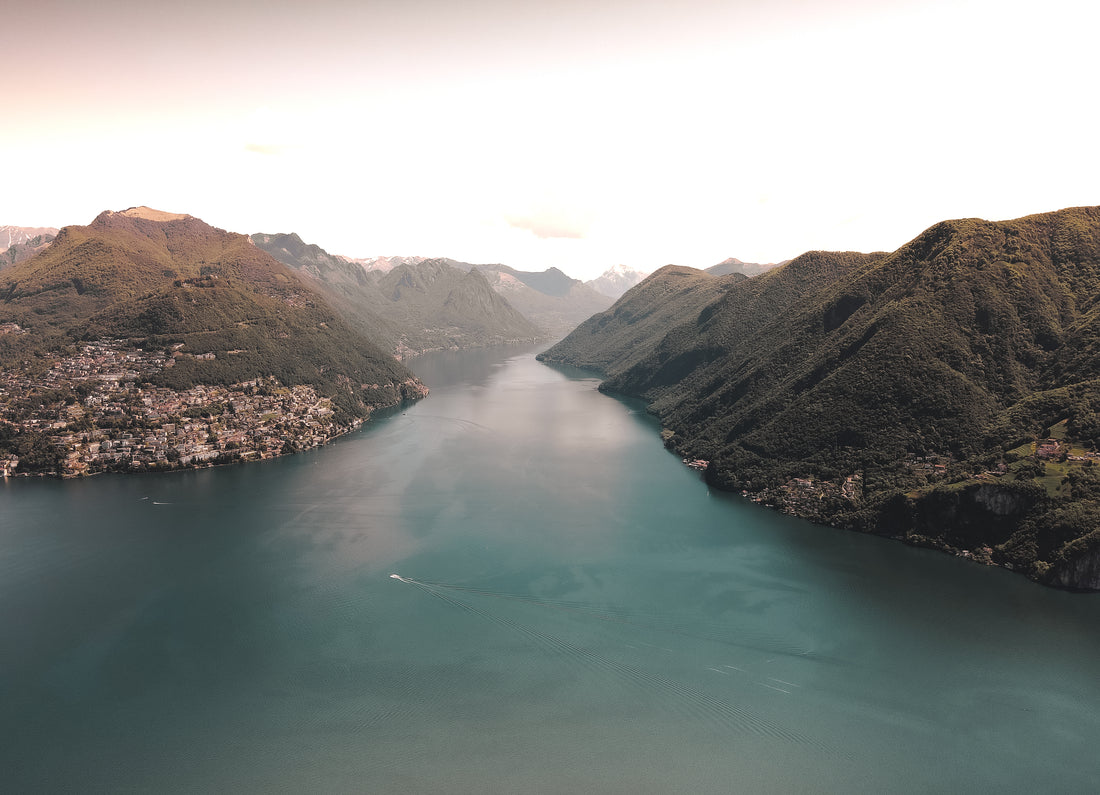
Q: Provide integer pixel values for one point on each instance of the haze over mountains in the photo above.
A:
(412, 306)
(551, 299)
(416, 304)
(907, 394)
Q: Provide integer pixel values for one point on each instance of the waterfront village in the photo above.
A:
(95, 411)
(799, 496)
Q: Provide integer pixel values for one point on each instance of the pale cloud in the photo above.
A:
(545, 225)
(265, 149)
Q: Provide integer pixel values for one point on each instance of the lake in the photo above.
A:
(574, 611)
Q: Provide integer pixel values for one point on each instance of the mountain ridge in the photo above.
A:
(734, 265)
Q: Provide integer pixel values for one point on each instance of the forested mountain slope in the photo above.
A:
(613, 340)
(232, 311)
(929, 376)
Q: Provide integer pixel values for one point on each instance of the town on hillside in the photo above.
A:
(95, 411)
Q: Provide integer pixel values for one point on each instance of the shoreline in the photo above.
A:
(983, 554)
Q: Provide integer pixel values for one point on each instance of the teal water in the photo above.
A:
(578, 613)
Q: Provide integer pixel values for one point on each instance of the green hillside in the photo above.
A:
(165, 279)
(905, 380)
(613, 340)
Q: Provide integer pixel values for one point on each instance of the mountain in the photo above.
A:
(945, 393)
(548, 282)
(616, 280)
(349, 288)
(26, 249)
(411, 307)
(734, 265)
(550, 299)
(616, 339)
(18, 243)
(169, 282)
(14, 235)
(454, 308)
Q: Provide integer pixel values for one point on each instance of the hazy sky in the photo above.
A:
(576, 134)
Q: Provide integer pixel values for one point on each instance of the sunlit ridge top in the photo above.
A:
(149, 214)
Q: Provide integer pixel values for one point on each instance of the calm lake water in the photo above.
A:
(577, 613)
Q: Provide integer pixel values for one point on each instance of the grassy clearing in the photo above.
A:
(1058, 430)
(1023, 451)
(1053, 480)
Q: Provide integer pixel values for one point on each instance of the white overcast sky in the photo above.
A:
(572, 134)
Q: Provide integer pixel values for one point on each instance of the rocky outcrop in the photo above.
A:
(381, 396)
(412, 389)
(1081, 569)
(972, 517)
(1001, 501)
(997, 524)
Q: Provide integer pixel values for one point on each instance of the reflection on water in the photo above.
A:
(573, 611)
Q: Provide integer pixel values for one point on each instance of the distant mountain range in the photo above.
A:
(552, 300)
(18, 243)
(415, 304)
(947, 393)
(616, 280)
(412, 305)
(14, 235)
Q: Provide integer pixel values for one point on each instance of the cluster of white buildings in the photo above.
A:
(98, 413)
